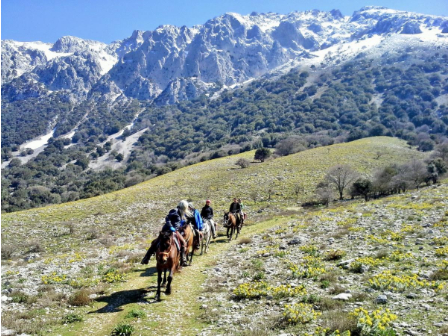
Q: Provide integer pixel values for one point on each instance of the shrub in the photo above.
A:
(374, 323)
(300, 313)
(245, 240)
(262, 154)
(7, 251)
(123, 329)
(243, 163)
(135, 313)
(80, 298)
(335, 255)
(71, 318)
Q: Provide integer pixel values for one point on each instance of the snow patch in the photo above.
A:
(41, 46)
(39, 141)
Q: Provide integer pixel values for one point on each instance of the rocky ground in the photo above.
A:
(315, 271)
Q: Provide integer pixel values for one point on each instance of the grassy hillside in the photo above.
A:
(60, 253)
(139, 210)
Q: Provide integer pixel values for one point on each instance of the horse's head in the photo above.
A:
(226, 217)
(164, 247)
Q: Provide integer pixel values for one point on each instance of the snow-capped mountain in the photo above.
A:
(171, 63)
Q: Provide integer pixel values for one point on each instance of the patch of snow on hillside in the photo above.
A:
(44, 47)
(429, 34)
(107, 61)
(39, 141)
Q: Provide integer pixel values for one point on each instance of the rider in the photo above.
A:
(241, 213)
(196, 219)
(235, 208)
(207, 214)
(173, 221)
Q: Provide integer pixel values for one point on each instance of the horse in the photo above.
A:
(232, 224)
(206, 236)
(167, 256)
(189, 241)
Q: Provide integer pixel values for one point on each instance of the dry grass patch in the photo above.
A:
(244, 240)
(336, 289)
(335, 255)
(328, 304)
(80, 298)
(338, 320)
(7, 251)
(441, 274)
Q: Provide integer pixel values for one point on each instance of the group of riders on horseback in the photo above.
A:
(185, 214)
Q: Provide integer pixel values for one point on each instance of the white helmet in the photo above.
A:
(183, 206)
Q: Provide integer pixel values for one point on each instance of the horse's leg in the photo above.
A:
(228, 229)
(170, 278)
(164, 278)
(208, 241)
(202, 244)
(191, 255)
(159, 281)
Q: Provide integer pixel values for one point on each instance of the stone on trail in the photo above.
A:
(342, 296)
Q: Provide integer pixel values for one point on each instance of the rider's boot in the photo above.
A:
(183, 257)
(197, 239)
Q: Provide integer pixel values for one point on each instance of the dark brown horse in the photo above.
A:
(187, 233)
(167, 256)
(232, 224)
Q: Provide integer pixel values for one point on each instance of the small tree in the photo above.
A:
(341, 176)
(362, 187)
(262, 154)
(325, 192)
(243, 163)
(414, 172)
(83, 162)
(289, 146)
(298, 189)
(119, 157)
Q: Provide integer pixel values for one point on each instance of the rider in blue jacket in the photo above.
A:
(196, 219)
(173, 221)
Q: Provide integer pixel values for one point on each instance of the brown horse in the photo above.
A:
(187, 233)
(167, 256)
(232, 224)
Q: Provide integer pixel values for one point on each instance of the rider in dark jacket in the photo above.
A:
(207, 214)
(235, 208)
(173, 221)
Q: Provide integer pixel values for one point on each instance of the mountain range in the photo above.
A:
(171, 64)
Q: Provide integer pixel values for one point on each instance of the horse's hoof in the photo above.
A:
(168, 292)
(158, 299)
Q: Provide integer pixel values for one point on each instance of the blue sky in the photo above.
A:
(109, 20)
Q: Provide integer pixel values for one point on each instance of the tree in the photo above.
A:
(289, 146)
(119, 157)
(414, 172)
(243, 163)
(15, 163)
(83, 162)
(262, 154)
(362, 186)
(341, 177)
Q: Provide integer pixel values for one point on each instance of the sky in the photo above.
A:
(111, 20)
